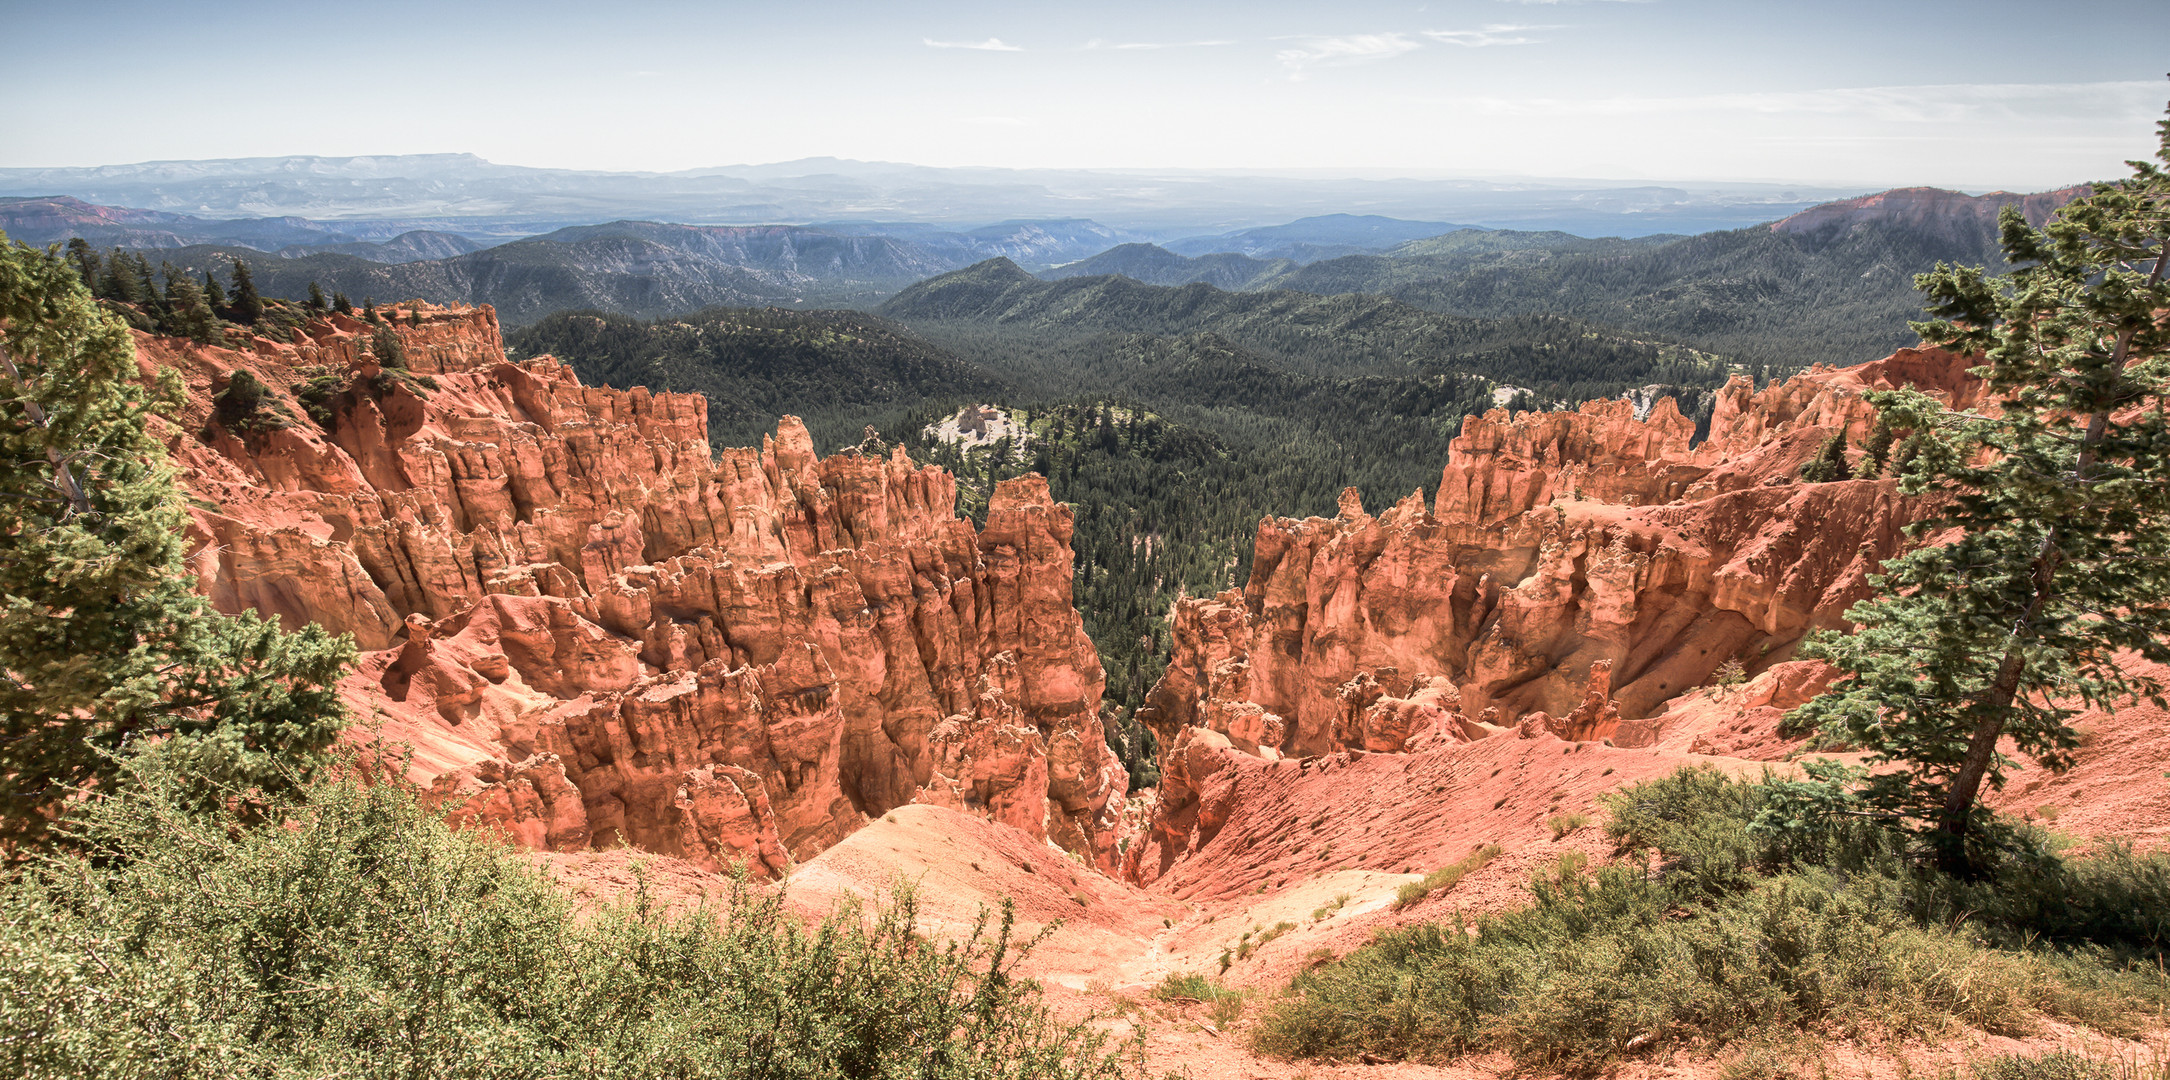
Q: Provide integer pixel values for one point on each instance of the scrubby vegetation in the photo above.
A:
(1223, 1003)
(352, 932)
(1728, 918)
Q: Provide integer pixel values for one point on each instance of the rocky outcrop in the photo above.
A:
(1577, 573)
(596, 632)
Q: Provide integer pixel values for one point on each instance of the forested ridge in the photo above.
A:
(1783, 298)
(837, 370)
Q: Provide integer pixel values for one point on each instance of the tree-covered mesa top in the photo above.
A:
(106, 650)
(2052, 556)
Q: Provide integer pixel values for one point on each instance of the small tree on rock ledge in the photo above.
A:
(2059, 505)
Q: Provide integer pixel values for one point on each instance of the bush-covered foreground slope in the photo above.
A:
(354, 933)
(1728, 919)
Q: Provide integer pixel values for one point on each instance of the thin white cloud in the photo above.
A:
(990, 45)
(1936, 104)
(995, 121)
(1493, 34)
(1343, 50)
(1553, 2)
(1157, 44)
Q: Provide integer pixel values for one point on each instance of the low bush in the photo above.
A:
(2056, 1065)
(355, 934)
(1562, 824)
(1225, 1004)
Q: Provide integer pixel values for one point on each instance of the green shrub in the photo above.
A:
(316, 390)
(1562, 824)
(1224, 1004)
(357, 935)
(386, 348)
(1248, 945)
(1444, 878)
(2055, 1065)
(247, 405)
(1768, 1059)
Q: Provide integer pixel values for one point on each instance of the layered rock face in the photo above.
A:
(594, 632)
(1576, 574)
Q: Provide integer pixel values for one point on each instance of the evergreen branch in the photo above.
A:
(63, 475)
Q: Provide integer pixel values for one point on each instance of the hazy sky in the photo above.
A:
(1974, 94)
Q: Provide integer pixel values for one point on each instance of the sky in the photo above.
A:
(1974, 95)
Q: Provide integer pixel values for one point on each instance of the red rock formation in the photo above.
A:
(1576, 574)
(594, 631)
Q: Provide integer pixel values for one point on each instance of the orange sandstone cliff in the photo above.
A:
(1577, 576)
(595, 632)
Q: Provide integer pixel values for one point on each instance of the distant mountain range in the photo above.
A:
(56, 218)
(1313, 238)
(465, 194)
(642, 268)
(1831, 284)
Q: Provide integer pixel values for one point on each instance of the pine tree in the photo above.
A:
(317, 305)
(187, 311)
(119, 282)
(1902, 459)
(1878, 451)
(369, 310)
(106, 651)
(385, 346)
(341, 304)
(1829, 463)
(248, 306)
(213, 292)
(2061, 508)
(86, 261)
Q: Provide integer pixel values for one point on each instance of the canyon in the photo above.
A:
(592, 632)
(589, 631)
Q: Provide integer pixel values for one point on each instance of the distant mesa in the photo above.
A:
(1933, 210)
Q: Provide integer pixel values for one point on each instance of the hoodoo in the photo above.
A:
(1577, 574)
(596, 632)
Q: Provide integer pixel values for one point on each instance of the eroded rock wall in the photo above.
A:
(595, 632)
(1576, 575)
